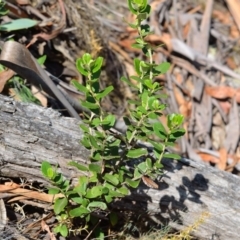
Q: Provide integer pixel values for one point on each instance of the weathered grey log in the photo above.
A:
(30, 134)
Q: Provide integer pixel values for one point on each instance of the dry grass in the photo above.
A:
(184, 234)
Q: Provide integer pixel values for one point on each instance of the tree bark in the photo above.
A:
(30, 134)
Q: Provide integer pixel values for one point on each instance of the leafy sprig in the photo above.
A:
(117, 162)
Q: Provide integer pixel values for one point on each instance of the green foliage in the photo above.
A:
(113, 169)
(17, 24)
(3, 10)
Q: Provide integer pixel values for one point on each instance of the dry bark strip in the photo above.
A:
(30, 134)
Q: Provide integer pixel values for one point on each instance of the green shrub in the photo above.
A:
(117, 162)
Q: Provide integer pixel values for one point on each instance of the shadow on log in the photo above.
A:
(30, 134)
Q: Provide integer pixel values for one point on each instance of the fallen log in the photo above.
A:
(30, 134)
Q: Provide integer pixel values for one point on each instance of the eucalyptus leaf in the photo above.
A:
(18, 24)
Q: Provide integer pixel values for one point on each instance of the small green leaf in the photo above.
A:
(97, 156)
(18, 24)
(53, 191)
(159, 130)
(95, 122)
(79, 86)
(79, 212)
(80, 67)
(86, 58)
(97, 64)
(94, 192)
(78, 200)
(174, 120)
(115, 194)
(138, 46)
(158, 146)
(95, 168)
(78, 166)
(148, 83)
(158, 165)
(57, 178)
(136, 63)
(113, 217)
(137, 174)
(57, 229)
(142, 167)
(104, 93)
(132, 25)
(144, 98)
(171, 155)
(3, 10)
(142, 16)
(59, 205)
(131, 7)
(177, 133)
(111, 119)
(85, 142)
(108, 198)
(136, 153)
(63, 230)
(85, 128)
(94, 142)
(163, 67)
(124, 79)
(153, 116)
(123, 190)
(42, 60)
(149, 163)
(45, 168)
(138, 79)
(94, 177)
(96, 204)
(89, 105)
(111, 178)
(82, 186)
(99, 234)
(132, 183)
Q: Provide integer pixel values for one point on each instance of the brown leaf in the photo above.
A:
(17, 189)
(232, 137)
(231, 63)
(208, 157)
(225, 105)
(223, 159)
(4, 77)
(149, 182)
(234, 6)
(23, 2)
(46, 228)
(220, 92)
